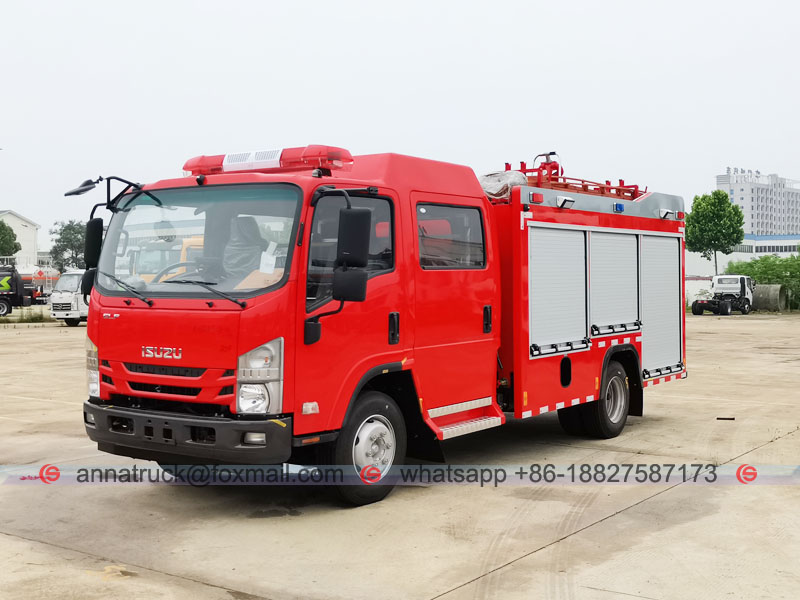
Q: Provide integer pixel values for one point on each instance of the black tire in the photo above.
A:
(5, 307)
(745, 307)
(725, 308)
(372, 409)
(606, 417)
(571, 420)
(72, 322)
(696, 308)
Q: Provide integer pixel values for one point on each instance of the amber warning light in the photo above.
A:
(265, 161)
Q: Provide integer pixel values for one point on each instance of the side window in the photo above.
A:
(450, 237)
(324, 240)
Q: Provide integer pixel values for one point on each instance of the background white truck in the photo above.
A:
(729, 293)
(66, 301)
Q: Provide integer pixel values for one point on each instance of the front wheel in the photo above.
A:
(606, 417)
(372, 441)
(72, 322)
(5, 307)
(745, 307)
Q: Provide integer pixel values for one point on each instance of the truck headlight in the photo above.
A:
(259, 379)
(92, 369)
(252, 398)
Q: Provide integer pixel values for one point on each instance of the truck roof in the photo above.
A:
(395, 171)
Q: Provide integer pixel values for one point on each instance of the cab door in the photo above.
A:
(364, 336)
(456, 302)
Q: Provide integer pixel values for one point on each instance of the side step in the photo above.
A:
(471, 426)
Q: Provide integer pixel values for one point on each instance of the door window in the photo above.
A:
(324, 241)
(450, 237)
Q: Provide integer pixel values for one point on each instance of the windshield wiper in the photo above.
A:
(207, 285)
(129, 287)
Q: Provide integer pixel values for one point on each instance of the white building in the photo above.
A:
(27, 236)
(771, 204)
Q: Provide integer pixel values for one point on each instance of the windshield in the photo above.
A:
(233, 237)
(68, 283)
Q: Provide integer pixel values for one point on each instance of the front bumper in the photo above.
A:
(74, 314)
(174, 439)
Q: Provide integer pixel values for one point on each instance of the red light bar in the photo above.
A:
(265, 161)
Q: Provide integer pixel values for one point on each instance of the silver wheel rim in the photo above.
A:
(374, 444)
(615, 399)
(3, 309)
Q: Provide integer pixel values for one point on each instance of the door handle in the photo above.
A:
(394, 328)
(487, 319)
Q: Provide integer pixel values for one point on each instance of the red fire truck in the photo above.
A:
(368, 307)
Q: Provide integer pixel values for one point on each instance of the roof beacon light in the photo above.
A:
(265, 161)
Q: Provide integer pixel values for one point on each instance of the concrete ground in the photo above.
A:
(526, 541)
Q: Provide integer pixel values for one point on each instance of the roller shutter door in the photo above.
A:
(557, 280)
(661, 302)
(614, 281)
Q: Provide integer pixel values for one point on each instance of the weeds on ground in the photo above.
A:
(28, 315)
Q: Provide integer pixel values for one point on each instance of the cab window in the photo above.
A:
(324, 241)
(450, 237)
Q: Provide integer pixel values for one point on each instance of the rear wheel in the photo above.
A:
(696, 308)
(372, 441)
(606, 417)
(72, 322)
(5, 307)
(725, 308)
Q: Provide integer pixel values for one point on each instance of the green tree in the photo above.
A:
(9, 245)
(68, 245)
(714, 225)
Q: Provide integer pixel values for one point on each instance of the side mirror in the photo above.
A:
(354, 233)
(87, 281)
(349, 285)
(94, 240)
(82, 188)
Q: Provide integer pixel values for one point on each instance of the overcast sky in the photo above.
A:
(663, 94)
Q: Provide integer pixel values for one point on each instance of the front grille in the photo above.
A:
(62, 306)
(170, 406)
(106, 379)
(164, 370)
(164, 389)
(228, 389)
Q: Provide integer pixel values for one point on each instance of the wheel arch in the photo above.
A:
(397, 383)
(628, 357)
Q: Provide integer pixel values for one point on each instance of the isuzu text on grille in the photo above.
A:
(161, 352)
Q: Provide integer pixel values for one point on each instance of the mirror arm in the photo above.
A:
(328, 190)
(316, 318)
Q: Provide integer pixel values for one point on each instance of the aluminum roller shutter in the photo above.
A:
(614, 281)
(661, 302)
(557, 285)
